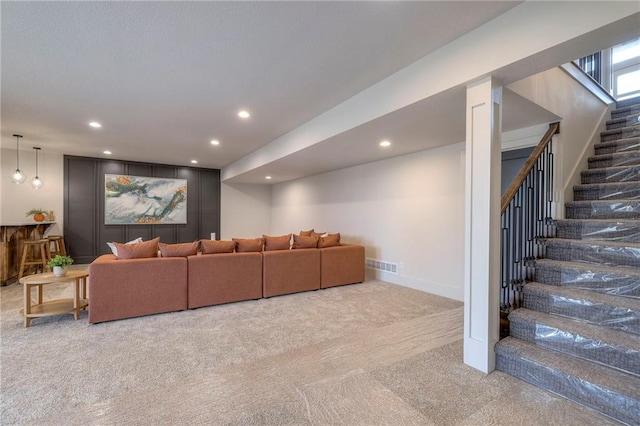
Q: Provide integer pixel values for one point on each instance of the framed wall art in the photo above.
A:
(135, 200)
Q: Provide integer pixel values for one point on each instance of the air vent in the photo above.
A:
(382, 265)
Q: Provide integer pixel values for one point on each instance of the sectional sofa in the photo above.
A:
(123, 288)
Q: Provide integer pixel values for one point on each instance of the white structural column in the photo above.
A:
(482, 224)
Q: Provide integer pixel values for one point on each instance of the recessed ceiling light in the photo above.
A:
(215, 142)
(194, 161)
(267, 177)
(106, 152)
(95, 124)
(385, 144)
(244, 114)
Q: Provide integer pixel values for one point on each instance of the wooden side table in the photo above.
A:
(54, 307)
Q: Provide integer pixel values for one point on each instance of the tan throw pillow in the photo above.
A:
(329, 241)
(248, 244)
(178, 250)
(306, 233)
(138, 250)
(302, 241)
(215, 246)
(282, 242)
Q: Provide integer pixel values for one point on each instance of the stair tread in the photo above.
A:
(623, 141)
(589, 267)
(593, 297)
(604, 185)
(601, 336)
(602, 202)
(610, 169)
(620, 130)
(590, 372)
(634, 246)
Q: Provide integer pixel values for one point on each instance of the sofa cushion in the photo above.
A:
(248, 244)
(178, 250)
(330, 240)
(302, 241)
(138, 250)
(306, 233)
(282, 242)
(114, 250)
(216, 246)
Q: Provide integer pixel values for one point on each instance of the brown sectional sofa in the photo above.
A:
(125, 288)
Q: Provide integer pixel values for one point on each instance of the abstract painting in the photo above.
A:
(134, 200)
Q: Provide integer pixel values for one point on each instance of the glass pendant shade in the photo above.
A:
(36, 182)
(17, 176)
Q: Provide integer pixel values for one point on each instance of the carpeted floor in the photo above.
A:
(366, 354)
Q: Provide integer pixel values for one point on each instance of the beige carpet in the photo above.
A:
(366, 354)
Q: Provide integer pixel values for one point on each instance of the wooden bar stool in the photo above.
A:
(56, 246)
(34, 254)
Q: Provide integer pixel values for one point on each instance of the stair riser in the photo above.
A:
(626, 121)
(629, 132)
(628, 257)
(564, 341)
(615, 405)
(616, 317)
(628, 103)
(630, 159)
(625, 111)
(613, 210)
(622, 232)
(623, 192)
(622, 146)
(624, 174)
(619, 284)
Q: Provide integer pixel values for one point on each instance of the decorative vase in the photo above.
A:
(59, 271)
(38, 217)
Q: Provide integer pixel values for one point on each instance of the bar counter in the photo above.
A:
(13, 234)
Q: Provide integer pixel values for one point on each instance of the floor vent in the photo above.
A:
(381, 265)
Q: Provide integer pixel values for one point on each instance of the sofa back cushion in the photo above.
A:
(215, 246)
(138, 250)
(178, 250)
(302, 241)
(282, 242)
(330, 240)
(248, 244)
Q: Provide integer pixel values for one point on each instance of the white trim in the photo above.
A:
(583, 78)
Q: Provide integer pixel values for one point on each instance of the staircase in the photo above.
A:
(578, 332)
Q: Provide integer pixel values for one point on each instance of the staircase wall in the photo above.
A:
(583, 118)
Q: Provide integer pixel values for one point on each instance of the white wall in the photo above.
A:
(407, 209)
(582, 115)
(16, 200)
(245, 211)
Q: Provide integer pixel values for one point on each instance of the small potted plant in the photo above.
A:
(59, 265)
(38, 214)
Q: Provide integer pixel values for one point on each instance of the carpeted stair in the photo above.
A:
(578, 332)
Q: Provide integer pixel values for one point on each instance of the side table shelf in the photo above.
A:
(59, 306)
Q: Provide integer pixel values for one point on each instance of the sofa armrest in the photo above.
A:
(340, 265)
(124, 288)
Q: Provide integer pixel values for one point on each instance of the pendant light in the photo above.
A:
(17, 176)
(36, 182)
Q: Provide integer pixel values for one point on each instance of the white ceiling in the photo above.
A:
(164, 78)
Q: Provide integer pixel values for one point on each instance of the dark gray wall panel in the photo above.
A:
(84, 228)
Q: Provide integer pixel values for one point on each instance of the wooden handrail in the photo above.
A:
(554, 129)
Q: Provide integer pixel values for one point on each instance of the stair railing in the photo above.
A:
(526, 210)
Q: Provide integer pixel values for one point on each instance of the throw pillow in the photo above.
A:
(138, 250)
(282, 242)
(306, 233)
(329, 241)
(217, 246)
(114, 250)
(248, 244)
(178, 250)
(302, 241)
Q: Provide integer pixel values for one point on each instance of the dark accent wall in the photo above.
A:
(86, 234)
